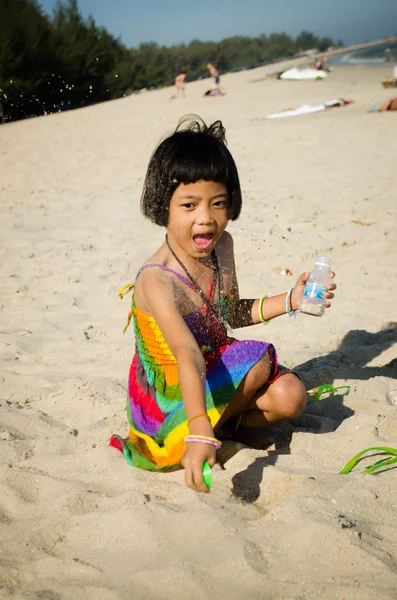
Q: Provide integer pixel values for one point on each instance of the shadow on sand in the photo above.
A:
(349, 362)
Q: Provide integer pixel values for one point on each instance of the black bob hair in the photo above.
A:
(194, 152)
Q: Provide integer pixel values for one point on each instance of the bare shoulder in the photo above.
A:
(226, 239)
(153, 281)
(225, 248)
(157, 296)
(225, 253)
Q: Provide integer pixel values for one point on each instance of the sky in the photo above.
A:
(170, 22)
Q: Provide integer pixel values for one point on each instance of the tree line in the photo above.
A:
(48, 64)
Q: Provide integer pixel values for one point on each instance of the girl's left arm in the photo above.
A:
(245, 312)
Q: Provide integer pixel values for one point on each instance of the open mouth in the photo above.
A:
(202, 241)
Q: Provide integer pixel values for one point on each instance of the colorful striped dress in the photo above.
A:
(156, 414)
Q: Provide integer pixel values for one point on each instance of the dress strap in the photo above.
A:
(180, 277)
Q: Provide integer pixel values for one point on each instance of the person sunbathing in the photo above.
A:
(390, 104)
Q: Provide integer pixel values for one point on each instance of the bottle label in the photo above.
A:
(314, 290)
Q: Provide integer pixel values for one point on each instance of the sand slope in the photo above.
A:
(75, 521)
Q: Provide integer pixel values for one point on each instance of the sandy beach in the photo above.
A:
(76, 522)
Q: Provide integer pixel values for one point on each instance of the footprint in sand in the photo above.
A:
(254, 556)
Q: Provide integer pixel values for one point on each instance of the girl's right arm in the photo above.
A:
(159, 297)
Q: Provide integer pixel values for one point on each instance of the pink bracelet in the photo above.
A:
(199, 441)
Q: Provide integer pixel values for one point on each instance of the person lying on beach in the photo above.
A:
(190, 382)
(213, 92)
(390, 104)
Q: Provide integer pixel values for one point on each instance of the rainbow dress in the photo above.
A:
(156, 414)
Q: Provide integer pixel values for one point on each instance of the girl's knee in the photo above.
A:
(289, 396)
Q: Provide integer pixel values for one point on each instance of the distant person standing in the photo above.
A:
(214, 73)
(179, 86)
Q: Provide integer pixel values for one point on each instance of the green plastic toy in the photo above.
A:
(317, 393)
(207, 474)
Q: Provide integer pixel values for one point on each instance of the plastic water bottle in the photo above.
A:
(313, 302)
(372, 107)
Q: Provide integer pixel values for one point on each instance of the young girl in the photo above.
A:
(190, 382)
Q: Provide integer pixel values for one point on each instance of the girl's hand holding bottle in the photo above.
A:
(313, 291)
(198, 452)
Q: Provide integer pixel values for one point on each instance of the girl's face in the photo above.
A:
(198, 216)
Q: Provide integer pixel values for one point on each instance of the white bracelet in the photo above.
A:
(289, 312)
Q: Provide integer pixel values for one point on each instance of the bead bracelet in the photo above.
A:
(197, 417)
(288, 305)
(202, 437)
(192, 439)
(260, 315)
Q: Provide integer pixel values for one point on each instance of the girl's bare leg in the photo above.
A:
(262, 404)
(247, 389)
(284, 399)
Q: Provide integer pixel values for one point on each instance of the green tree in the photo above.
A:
(49, 64)
(25, 56)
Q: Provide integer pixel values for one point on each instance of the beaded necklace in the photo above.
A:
(217, 277)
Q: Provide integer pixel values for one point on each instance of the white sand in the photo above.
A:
(76, 522)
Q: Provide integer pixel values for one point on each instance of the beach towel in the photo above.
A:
(307, 109)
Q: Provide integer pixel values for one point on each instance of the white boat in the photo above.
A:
(303, 74)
